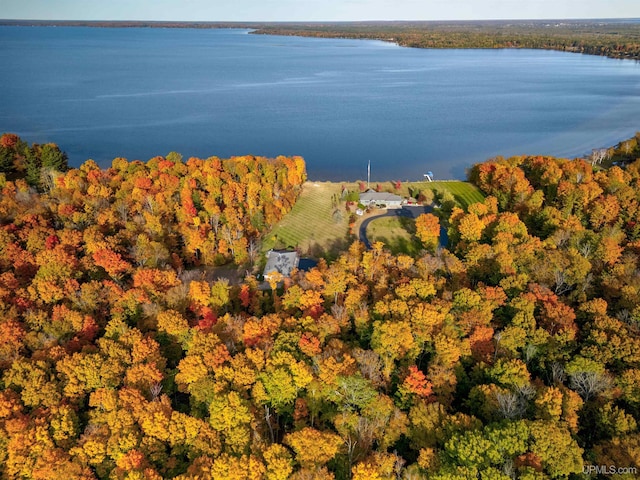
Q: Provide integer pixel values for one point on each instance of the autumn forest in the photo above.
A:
(512, 352)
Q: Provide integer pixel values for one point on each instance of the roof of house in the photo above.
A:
(371, 196)
(282, 262)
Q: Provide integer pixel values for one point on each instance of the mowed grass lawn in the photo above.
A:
(311, 225)
(464, 193)
(397, 233)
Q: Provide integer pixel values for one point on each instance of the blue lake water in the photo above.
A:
(137, 93)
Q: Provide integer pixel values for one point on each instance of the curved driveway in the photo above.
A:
(407, 212)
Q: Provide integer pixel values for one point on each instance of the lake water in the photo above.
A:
(136, 93)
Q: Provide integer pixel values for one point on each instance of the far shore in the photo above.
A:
(613, 38)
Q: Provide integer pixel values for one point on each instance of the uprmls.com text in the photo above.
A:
(608, 470)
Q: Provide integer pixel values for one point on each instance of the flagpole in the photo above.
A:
(368, 174)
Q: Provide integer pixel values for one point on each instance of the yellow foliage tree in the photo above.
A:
(313, 448)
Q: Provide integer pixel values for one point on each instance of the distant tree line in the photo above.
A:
(611, 39)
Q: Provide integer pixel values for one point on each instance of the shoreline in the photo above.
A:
(612, 38)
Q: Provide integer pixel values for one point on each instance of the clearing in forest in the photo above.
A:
(397, 234)
(318, 224)
(464, 193)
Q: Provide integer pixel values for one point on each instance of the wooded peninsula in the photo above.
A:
(615, 39)
(127, 353)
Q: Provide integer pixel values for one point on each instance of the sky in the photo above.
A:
(315, 10)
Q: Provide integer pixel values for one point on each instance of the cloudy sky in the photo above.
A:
(315, 10)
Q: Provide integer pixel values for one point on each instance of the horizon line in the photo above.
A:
(327, 21)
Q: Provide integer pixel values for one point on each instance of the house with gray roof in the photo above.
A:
(372, 199)
(282, 262)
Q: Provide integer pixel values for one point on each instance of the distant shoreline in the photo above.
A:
(614, 38)
(120, 24)
(249, 24)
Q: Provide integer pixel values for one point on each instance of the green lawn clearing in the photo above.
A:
(397, 233)
(464, 193)
(320, 228)
(314, 225)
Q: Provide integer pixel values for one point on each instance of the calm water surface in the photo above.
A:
(103, 93)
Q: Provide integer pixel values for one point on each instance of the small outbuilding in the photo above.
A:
(282, 262)
(371, 198)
